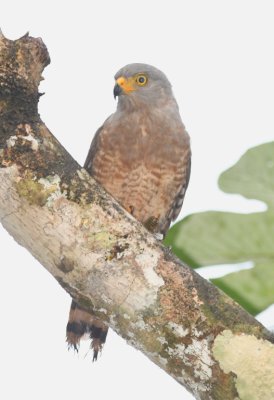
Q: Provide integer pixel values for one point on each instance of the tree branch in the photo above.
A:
(107, 260)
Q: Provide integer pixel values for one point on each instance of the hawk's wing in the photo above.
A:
(92, 150)
(94, 147)
(179, 199)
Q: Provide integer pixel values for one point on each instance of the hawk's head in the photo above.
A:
(141, 82)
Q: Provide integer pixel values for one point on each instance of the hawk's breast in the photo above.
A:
(142, 167)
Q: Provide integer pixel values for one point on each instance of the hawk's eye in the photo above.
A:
(141, 80)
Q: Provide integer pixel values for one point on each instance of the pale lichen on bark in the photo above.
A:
(104, 258)
(243, 355)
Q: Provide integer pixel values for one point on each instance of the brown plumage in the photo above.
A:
(141, 156)
(80, 323)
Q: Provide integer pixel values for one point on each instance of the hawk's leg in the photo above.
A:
(152, 225)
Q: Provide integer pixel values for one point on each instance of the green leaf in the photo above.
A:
(215, 237)
(252, 288)
(253, 175)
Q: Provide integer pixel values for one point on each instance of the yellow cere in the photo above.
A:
(129, 84)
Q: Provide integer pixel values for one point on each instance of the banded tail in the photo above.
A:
(80, 323)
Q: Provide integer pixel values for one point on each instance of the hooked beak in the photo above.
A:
(117, 90)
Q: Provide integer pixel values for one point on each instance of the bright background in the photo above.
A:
(219, 57)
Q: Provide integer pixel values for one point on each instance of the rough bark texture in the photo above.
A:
(108, 261)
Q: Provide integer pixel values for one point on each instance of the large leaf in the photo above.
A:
(213, 237)
(253, 175)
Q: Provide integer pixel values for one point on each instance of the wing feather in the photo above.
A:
(179, 199)
(92, 150)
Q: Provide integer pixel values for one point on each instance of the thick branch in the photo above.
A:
(108, 261)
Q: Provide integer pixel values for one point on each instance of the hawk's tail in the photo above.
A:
(80, 323)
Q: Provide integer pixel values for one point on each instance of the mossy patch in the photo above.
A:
(102, 239)
(33, 191)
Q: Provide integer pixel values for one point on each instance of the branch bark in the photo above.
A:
(108, 262)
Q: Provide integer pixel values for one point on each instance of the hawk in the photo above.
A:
(141, 156)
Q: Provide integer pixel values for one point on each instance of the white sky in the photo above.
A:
(219, 57)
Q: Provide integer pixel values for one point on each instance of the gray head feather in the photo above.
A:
(138, 68)
(156, 91)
